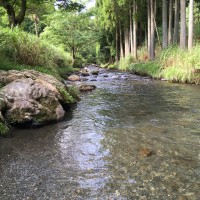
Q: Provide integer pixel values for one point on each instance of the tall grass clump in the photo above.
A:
(180, 65)
(124, 63)
(29, 50)
(3, 129)
(173, 64)
(146, 69)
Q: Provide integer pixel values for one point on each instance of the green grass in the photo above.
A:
(30, 50)
(124, 63)
(70, 96)
(146, 69)
(12, 65)
(20, 50)
(3, 129)
(173, 64)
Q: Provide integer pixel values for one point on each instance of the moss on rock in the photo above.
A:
(3, 129)
(69, 96)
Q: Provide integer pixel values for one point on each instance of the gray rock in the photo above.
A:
(32, 97)
(32, 101)
(84, 79)
(95, 72)
(86, 87)
(85, 72)
(74, 78)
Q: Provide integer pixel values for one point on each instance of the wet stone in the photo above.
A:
(74, 78)
(145, 152)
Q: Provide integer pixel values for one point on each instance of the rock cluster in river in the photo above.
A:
(77, 79)
(32, 98)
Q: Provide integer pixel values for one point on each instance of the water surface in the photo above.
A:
(131, 138)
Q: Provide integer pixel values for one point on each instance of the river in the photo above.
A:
(131, 138)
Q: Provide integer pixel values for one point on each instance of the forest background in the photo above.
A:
(158, 38)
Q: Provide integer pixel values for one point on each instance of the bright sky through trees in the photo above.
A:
(90, 4)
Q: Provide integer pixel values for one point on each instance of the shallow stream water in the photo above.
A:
(131, 138)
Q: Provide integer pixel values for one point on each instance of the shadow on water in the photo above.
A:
(132, 138)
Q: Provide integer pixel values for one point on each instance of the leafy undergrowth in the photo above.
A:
(173, 64)
(180, 65)
(20, 50)
(146, 69)
(3, 129)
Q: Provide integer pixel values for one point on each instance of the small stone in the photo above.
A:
(145, 152)
(143, 198)
(84, 72)
(182, 197)
(85, 87)
(94, 72)
(84, 79)
(74, 78)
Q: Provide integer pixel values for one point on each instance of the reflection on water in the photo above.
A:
(132, 138)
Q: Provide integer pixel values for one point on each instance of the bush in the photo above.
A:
(124, 63)
(173, 64)
(178, 65)
(27, 49)
(3, 129)
(146, 69)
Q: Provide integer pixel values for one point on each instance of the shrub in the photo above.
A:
(173, 64)
(124, 63)
(179, 65)
(3, 129)
(30, 50)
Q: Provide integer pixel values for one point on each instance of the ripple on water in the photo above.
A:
(131, 138)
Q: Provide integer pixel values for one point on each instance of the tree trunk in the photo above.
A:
(22, 12)
(176, 21)
(36, 20)
(126, 41)
(135, 31)
(73, 56)
(11, 13)
(117, 42)
(149, 27)
(164, 24)
(191, 24)
(121, 42)
(183, 25)
(170, 22)
(13, 19)
(131, 32)
(152, 40)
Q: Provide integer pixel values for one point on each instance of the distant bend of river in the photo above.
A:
(131, 138)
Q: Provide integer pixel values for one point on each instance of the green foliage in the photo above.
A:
(124, 63)
(3, 129)
(72, 31)
(29, 26)
(173, 64)
(3, 17)
(68, 96)
(30, 50)
(73, 91)
(20, 50)
(179, 65)
(146, 69)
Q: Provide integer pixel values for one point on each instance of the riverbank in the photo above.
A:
(131, 138)
(32, 99)
(173, 65)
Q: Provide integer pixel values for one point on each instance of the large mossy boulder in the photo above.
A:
(32, 98)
